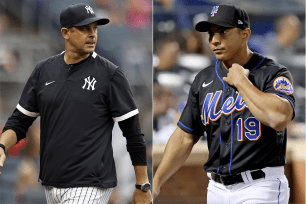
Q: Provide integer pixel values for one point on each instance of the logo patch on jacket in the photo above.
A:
(90, 83)
(283, 84)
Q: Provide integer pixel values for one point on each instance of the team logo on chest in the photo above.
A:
(229, 106)
(283, 84)
(90, 83)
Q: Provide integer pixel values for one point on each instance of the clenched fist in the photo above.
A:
(236, 74)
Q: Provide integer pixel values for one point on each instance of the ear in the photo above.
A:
(65, 33)
(246, 34)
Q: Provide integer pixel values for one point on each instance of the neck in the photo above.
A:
(73, 57)
(241, 59)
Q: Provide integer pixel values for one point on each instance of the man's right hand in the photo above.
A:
(2, 158)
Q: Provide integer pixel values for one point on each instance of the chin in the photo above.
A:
(89, 51)
(222, 57)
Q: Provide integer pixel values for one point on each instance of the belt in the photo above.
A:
(233, 179)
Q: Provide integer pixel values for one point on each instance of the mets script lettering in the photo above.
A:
(211, 102)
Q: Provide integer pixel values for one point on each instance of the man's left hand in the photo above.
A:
(140, 197)
(236, 74)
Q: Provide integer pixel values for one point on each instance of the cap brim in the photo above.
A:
(204, 26)
(101, 21)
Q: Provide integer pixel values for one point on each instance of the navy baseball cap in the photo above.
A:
(225, 15)
(79, 15)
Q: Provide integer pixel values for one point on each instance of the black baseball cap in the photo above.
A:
(225, 15)
(79, 15)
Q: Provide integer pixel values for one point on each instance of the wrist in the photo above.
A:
(140, 183)
(156, 181)
(2, 147)
(143, 187)
(241, 82)
(142, 179)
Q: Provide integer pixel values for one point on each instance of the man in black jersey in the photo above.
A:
(79, 95)
(244, 103)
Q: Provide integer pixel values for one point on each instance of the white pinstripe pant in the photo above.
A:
(77, 195)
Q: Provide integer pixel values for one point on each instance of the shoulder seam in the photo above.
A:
(117, 68)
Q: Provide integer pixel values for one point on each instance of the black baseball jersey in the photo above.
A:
(237, 141)
(78, 105)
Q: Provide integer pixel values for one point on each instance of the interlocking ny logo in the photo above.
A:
(214, 11)
(90, 83)
(89, 9)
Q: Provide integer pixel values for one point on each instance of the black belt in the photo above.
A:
(233, 179)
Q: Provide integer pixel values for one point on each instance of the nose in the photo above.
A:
(92, 32)
(216, 39)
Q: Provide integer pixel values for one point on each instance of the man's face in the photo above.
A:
(225, 43)
(83, 39)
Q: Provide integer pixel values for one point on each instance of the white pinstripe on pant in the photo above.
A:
(77, 195)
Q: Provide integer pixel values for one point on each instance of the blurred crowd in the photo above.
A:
(30, 32)
(179, 53)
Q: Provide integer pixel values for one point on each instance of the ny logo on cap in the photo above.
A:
(214, 11)
(89, 9)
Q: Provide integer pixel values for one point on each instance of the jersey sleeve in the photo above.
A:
(190, 120)
(121, 102)
(26, 110)
(19, 123)
(135, 143)
(281, 84)
(28, 101)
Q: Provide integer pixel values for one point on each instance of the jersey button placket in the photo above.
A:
(69, 71)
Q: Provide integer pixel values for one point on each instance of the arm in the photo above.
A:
(176, 152)
(14, 130)
(22, 118)
(8, 139)
(124, 111)
(136, 147)
(141, 178)
(141, 174)
(270, 109)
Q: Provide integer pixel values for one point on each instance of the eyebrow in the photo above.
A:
(219, 28)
